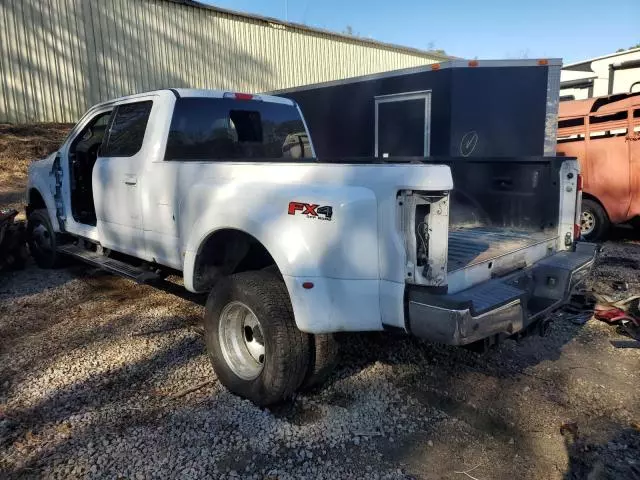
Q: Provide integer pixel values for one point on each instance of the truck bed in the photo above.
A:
(471, 246)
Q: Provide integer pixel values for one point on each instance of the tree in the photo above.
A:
(637, 45)
(431, 47)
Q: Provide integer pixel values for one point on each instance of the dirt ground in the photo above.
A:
(90, 360)
(19, 145)
(103, 378)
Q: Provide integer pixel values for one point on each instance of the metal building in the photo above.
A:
(58, 57)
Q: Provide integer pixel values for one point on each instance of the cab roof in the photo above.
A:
(201, 93)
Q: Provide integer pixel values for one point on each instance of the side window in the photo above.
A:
(92, 136)
(636, 120)
(126, 131)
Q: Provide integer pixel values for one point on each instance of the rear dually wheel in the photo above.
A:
(254, 345)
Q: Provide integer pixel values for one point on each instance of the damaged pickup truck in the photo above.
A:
(224, 188)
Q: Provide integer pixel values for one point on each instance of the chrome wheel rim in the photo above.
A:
(241, 340)
(587, 223)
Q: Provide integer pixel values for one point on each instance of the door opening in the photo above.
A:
(83, 153)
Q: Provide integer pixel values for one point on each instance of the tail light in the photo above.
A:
(576, 226)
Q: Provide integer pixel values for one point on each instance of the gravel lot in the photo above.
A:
(95, 373)
(103, 378)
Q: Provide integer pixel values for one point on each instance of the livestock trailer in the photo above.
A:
(459, 108)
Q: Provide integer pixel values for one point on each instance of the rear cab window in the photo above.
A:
(126, 129)
(227, 129)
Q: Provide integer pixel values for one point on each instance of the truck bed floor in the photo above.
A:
(470, 246)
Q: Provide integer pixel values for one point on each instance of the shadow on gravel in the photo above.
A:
(475, 389)
(624, 233)
(615, 459)
(104, 399)
(33, 280)
(11, 197)
(179, 291)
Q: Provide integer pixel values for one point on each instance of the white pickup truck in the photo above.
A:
(224, 187)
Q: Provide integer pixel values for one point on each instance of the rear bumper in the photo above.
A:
(502, 306)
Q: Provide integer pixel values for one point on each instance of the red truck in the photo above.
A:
(604, 134)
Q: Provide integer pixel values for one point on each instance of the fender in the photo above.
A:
(338, 252)
(41, 179)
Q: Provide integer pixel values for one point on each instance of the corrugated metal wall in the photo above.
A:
(58, 57)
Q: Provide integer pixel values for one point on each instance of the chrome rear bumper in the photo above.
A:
(502, 306)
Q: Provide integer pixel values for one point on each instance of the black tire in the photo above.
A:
(286, 349)
(596, 218)
(40, 232)
(323, 359)
(635, 223)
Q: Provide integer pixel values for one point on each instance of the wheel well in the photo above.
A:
(36, 201)
(588, 196)
(225, 252)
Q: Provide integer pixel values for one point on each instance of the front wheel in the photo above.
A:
(594, 221)
(42, 240)
(255, 347)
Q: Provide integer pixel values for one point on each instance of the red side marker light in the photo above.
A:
(307, 285)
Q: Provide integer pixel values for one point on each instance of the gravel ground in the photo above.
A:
(96, 373)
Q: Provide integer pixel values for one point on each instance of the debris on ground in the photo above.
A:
(13, 241)
(620, 286)
(579, 309)
(624, 313)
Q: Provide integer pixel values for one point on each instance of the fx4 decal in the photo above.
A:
(311, 210)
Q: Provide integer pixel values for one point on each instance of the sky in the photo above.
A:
(570, 29)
